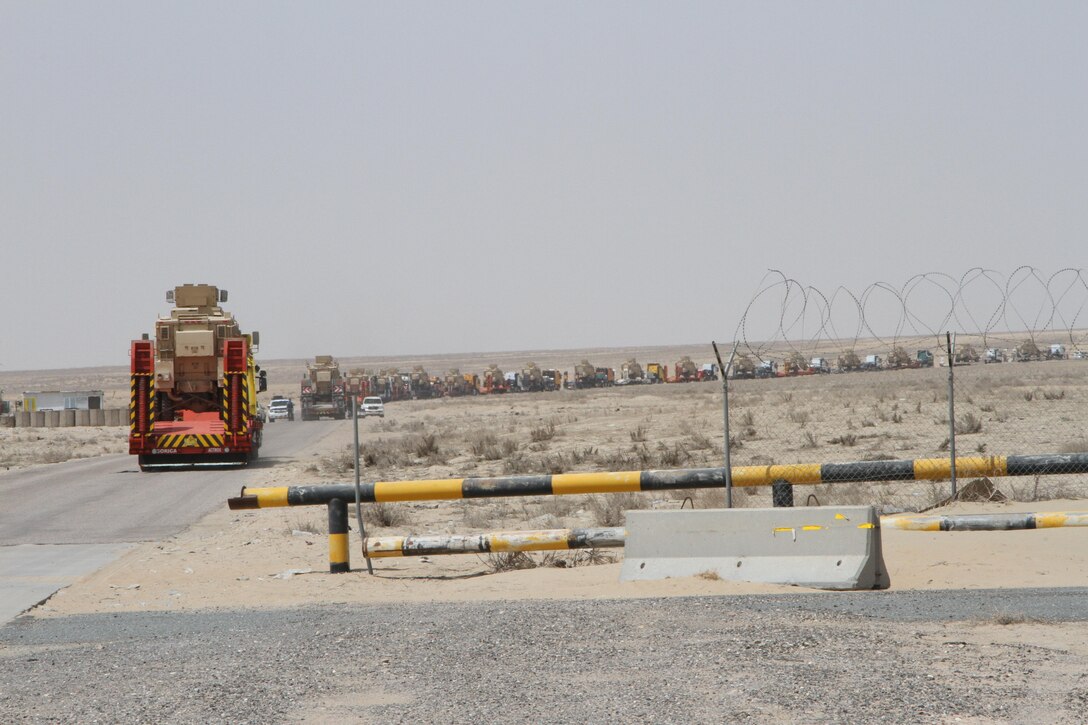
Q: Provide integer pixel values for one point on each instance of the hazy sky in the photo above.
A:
(384, 178)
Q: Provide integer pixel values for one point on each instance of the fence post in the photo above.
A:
(950, 339)
(358, 495)
(724, 369)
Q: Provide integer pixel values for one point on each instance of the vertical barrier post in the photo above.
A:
(339, 557)
(950, 339)
(782, 494)
(724, 370)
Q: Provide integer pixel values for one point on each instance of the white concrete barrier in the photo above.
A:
(826, 547)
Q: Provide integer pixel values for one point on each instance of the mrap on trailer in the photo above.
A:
(194, 386)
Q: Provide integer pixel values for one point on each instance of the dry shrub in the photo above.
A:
(846, 439)
(542, 433)
(709, 575)
(517, 464)
(579, 557)
(298, 523)
(699, 442)
(618, 461)
(424, 445)
(671, 457)
(509, 561)
(385, 514)
(340, 463)
(800, 417)
(582, 455)
(809, 441)
(482, 444)
(610, 509)
(383, 453)
(638, 435)
(554, 464)
(968, 423)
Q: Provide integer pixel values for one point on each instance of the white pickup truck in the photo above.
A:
(281, 409)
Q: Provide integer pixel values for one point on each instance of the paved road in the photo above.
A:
(63, 521)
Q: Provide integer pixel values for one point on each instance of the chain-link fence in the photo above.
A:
(1011, 397)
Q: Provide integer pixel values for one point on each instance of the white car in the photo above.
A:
(280, 409)
(372, 406)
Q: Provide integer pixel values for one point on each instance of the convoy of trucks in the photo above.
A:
(194, 382)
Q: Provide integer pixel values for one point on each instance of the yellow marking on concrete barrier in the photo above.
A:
(840, 517)
(269, 497)
(812, 528)
(783, 528)
(338, 548)
(867, 525)
(431, 490)
(616, 482)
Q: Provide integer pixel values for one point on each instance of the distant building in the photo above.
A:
(62, 400)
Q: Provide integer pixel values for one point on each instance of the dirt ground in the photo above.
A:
(278, 557)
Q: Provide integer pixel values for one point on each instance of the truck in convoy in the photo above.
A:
(322, 392)
(194, 386)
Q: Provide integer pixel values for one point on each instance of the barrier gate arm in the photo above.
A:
(922, 469)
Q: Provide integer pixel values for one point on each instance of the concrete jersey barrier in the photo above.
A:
(829, 547)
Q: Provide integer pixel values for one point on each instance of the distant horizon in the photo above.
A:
(773, 346)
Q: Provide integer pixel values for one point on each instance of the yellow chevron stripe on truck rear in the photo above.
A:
(189, 440)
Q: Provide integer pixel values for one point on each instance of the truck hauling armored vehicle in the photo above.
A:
(322, 391)
(194, 386)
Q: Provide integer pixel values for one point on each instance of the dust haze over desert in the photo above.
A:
(414, 180)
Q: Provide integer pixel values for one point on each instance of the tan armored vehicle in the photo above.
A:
(322, 392)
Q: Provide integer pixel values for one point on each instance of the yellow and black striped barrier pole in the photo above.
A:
(922, 469)
(987, 522)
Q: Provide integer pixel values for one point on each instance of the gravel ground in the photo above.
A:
(702, 659)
